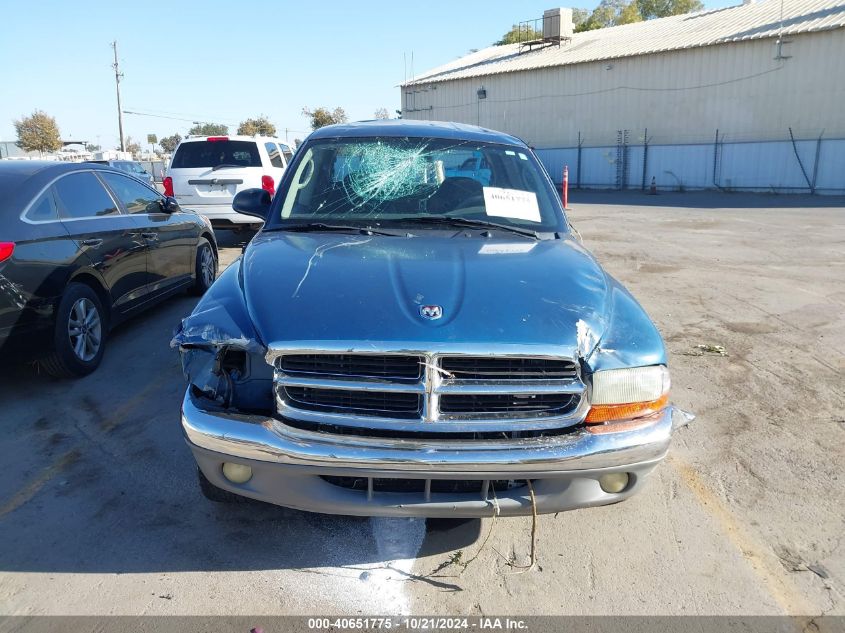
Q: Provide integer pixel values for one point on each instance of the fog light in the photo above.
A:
(614, 482)
(237, 473)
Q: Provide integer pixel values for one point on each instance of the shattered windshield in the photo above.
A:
(398, 181)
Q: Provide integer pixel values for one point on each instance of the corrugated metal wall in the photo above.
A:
(682, 98)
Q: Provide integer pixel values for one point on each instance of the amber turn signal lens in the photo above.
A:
(607, 412)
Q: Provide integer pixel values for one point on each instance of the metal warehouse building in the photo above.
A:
(747, 97)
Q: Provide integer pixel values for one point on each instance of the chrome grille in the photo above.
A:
(353, 366)
(340, 400)
(481, 368)
(425, 392)
(538, 403)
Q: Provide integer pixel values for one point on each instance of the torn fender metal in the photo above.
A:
(681, 418)
(219, 323)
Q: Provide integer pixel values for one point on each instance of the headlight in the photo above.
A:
(623, 394)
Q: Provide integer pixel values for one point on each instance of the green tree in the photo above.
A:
(616, 12)
(662, 8)
(579, 16)
(381, 113)
(611, 13)
(629, 14)
(209, 129)
(519, 33)
(38, 133)
(168, 143)
(259, 125)
(91, 147)
(320, 117)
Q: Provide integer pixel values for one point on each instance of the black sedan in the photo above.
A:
(83, 247)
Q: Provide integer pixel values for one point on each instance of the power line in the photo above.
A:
(174, 118)
(166, 115)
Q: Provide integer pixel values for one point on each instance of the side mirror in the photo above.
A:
(254, 202)
(169, 205)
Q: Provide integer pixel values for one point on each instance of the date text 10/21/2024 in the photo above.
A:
(415, 623)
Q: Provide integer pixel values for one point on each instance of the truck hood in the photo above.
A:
(319, 290)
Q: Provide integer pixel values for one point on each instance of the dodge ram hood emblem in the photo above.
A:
(431, 312)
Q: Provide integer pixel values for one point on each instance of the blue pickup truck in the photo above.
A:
(408, 338)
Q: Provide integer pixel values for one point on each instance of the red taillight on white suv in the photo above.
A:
(268, 185)
(168, 186)
(6, 250)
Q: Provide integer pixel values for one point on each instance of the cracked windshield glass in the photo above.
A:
(401, 182)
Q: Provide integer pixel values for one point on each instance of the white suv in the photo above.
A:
(207, 171)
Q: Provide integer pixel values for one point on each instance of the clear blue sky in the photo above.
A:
(226, 61)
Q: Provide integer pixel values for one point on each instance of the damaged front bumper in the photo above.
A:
(341, 474)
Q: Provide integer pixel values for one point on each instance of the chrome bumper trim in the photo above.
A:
(269, 440)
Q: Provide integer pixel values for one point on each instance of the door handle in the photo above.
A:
(93, 242)
(149, 236)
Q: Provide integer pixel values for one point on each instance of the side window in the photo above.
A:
(275, 155)
(44, 208)
(82, 195)
(287, 153)
(135, 196)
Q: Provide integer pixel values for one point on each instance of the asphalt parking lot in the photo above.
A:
(100, 512)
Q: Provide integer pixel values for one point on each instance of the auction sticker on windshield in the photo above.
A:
(512, 203)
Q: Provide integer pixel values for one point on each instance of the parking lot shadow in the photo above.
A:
(99, 479)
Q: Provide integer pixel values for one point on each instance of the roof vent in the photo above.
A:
(554, 28)
(557, 24)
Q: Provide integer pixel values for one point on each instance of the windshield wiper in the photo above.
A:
(314, 227)
(225, 166)
(445, 220)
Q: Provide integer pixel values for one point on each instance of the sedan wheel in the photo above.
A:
(79, 335)
(208, 266)
(85, 329)
(205, 269)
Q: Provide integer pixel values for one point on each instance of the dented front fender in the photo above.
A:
(220, 348)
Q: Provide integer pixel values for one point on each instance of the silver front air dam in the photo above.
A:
(336, 474)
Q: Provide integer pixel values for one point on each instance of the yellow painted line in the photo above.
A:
(31, 489)
(762, 559)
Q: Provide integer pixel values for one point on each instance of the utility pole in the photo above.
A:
(117, 77)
